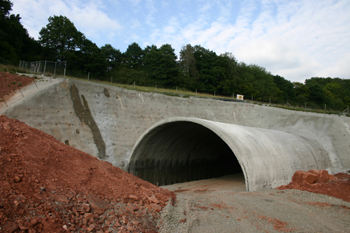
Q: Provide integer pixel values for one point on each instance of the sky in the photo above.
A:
(296, 39)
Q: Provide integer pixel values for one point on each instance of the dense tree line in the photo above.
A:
(15, 42)
(196, 68)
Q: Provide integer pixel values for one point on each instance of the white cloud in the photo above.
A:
(295, 39)
(341, 69)
(151, 9)
(135, 23)
(87, 18)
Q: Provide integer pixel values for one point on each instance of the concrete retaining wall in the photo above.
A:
(121, 116)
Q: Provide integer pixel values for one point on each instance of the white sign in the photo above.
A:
(240, 97)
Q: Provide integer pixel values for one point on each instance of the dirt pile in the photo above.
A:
(320, 181)
(47, 186)
(9, 83)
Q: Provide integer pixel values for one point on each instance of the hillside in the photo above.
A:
(47, 186)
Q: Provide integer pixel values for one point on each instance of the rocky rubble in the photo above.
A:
(320, 181)
(47, 186)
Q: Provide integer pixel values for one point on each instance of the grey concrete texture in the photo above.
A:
(122, 116)
(268, 158)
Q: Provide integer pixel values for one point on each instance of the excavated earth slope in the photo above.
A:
(47, 186)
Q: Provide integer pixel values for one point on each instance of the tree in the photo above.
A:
(113, 56)
(66, 43)
(188, 62)
(15, 42)
(302, 92)
(229, 83)
(133, 56)
(286, 87)
(160, 65)
(60, 37)
(90, 58)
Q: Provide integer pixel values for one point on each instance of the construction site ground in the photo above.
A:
(47, 186)
(222, 205)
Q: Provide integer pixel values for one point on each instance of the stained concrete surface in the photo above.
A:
(194, 149)
(124, 115)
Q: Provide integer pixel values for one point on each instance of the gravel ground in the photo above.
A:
(207, 206)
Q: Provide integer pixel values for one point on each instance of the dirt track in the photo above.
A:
(207, 206)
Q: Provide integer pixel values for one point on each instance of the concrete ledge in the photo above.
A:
(183, 149)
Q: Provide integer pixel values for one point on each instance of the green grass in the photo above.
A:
(11, 69)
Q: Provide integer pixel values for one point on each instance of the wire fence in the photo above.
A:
(179, 92)
(45, 67)
(59, 69)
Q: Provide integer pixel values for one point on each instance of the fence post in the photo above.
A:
(44, 67)
(19, 64)
(65, 68)
(111, 80)
(20, 91)
(196, 92)
(35, 84)
(4, 100)
(88, 75)
(54, 74)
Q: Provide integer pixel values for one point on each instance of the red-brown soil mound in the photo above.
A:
(319, 181)
(9, 83)
(47, 186)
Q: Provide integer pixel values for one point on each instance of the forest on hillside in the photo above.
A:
(196, 69)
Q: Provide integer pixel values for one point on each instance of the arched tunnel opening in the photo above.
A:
(182, 151)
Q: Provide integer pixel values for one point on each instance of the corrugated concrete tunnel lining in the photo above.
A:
(181, 149)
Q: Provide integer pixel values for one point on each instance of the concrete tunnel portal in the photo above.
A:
(181, 149)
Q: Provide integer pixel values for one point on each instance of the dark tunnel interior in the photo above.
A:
(179, 152)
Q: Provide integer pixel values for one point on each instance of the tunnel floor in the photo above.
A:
(228, 183)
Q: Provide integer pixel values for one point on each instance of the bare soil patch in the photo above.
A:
(47, 186)
(9, 83)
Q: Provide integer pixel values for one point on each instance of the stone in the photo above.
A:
(302, 176)
(133, 197)
(125, 220)
(135, 222)
(156, 207)
(153, 199)
(89, 216)
(91, 228)
(10, 227)
(17, 179)
(60, 198)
